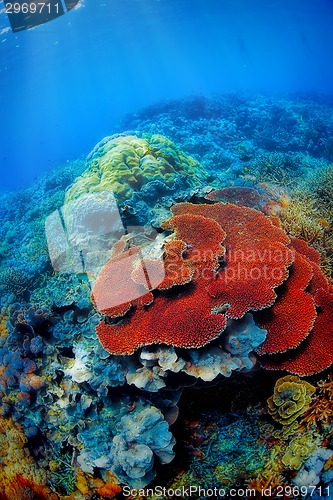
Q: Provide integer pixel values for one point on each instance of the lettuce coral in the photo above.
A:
(291, 398)
(298, 450)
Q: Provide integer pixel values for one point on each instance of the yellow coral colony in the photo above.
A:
(124, 164)
(291, 398)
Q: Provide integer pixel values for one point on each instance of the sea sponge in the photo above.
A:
(291, 398)
(124, 164)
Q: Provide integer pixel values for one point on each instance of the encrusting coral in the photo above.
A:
(20, 476)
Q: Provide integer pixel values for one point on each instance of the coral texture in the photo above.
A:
(314, 352)
(291, 398)
(197, 314)
(286, 321)
(124, 164)
(219, 282)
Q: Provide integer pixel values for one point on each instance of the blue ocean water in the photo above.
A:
(66, 84)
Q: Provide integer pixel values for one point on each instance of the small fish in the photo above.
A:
(221, 309)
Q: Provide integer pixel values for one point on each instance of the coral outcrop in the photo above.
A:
(232, 260)
(125, 164)
(198, 312)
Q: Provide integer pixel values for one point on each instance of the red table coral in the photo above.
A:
(196, 313)
(315, 353)
(223, 261)
(181, 319)
(257, 257)
(290, 320)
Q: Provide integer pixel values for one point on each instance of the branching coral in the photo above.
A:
(309, 214)
(279, 167)
(320, 412)
(17, 282)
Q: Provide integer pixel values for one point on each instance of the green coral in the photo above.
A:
(291, 398)
(125, 164)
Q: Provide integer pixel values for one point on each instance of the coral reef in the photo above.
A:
(206, 292)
